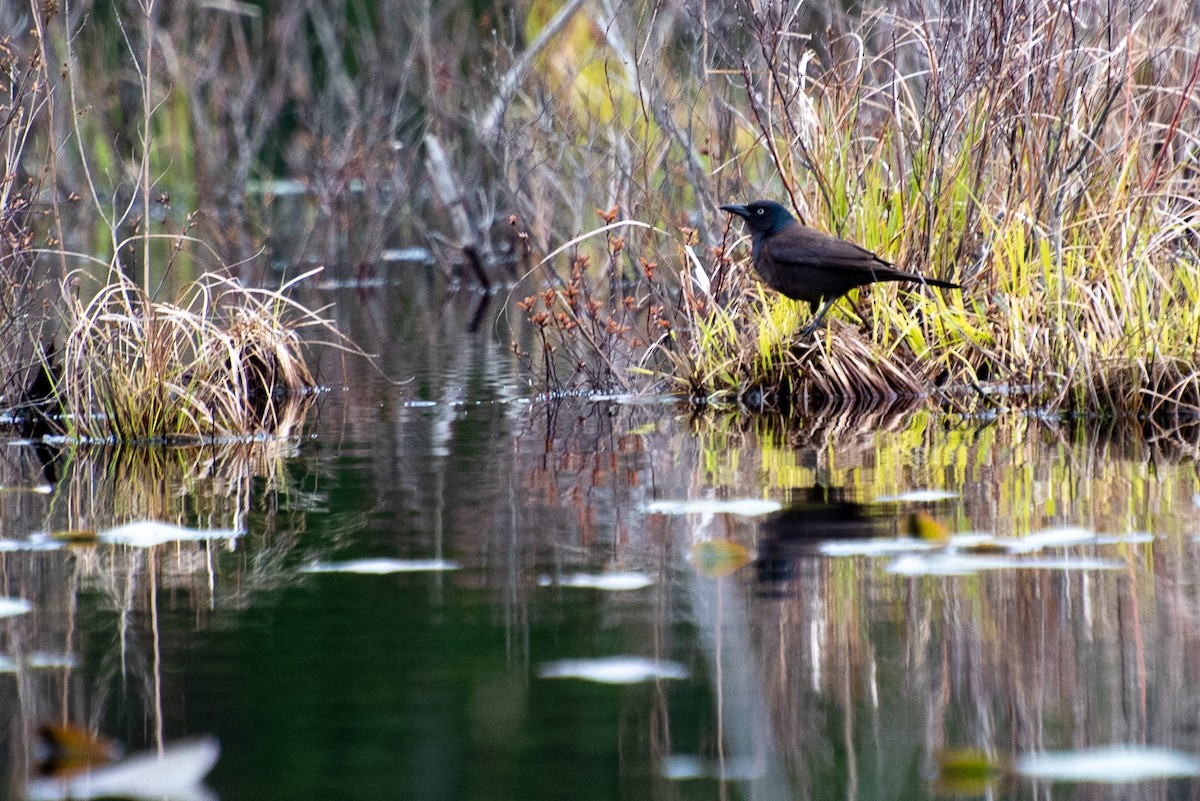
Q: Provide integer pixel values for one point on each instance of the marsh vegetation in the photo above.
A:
(419, 589)
(1044, 156)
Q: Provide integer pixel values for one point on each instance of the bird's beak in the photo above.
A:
(737, 208)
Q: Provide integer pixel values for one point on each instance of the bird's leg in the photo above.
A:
(816, 320)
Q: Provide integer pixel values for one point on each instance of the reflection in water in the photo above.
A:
(807, 675)
(816, 514)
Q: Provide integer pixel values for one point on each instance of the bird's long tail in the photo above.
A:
(900, 275)
(939, 282)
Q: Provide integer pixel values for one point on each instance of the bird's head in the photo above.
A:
(762, 216)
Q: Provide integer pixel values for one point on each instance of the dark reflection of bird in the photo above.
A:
(818, 513)
(811, 266)
(39, 400)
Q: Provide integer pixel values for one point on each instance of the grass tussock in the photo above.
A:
(224, 361)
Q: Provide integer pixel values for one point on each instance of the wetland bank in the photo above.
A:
(594, 518)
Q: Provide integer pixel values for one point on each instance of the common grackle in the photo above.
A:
(808, 265)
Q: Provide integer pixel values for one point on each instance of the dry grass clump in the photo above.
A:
(224, 361)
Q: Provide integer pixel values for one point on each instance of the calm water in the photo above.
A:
(802, 673)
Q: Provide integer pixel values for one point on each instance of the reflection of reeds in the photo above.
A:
(214, 486)
(209, 486)
(225, 361)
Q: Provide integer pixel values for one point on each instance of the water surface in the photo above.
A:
(422, 585)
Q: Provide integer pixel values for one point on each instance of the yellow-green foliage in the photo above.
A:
(1046, 157)
(1054, 177)
(868, 454)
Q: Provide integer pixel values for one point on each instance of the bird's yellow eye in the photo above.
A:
(760, 211)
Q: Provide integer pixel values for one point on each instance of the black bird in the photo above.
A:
(808, 265)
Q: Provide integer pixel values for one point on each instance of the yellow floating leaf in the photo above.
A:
(77, 536)
(925, 526)
(967, 771)
(716, 558)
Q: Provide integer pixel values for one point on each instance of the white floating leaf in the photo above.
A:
(610, 582)
(149, 533)
(10, 607)
(37, 541)
(1049, 538)
(746, 507)
(613, 669)
(918, 496)
(887, 546)
(175, 774)
(379, 567)
(39, 660)
(1132, 538)
(678, 767)
(970, 539)
(46, 660)
(955, 564)
(1109, 764)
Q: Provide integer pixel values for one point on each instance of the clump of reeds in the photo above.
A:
(599, 325)
(1045, 163)
(1045, 156)
(223, 361)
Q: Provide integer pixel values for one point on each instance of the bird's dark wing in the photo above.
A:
(803, 247)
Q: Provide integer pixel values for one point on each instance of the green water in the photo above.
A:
(808, 676)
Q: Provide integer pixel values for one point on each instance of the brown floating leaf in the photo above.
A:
(63, 750)
(77, 536)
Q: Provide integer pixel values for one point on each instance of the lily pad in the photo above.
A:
(745, 507)
(680, 767)
(35, 542)
(1050, 538)
(967, 771)
(380, 567)
(887, 546)
(957, 564)
(46, 659)
(609, 582)
(1109, 764)
(76, 536)
(613, 670)
(10, 607)
(716, 558)
(36, 489)
(924, 526)
(918, 496)
(149, 533)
